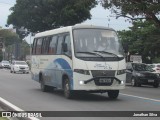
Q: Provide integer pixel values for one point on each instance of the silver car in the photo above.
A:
(5, 64)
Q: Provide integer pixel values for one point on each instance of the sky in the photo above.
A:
(100, 17)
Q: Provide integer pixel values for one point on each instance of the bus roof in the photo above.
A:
(67, 29)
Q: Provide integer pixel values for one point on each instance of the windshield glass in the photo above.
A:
(142, 67)
(96, 40)
(21, 63)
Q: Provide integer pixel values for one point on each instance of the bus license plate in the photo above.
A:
(105, 80)
(150, 80)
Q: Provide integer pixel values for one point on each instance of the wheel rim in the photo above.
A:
(113, 94)
(42, 84)
(66, 90)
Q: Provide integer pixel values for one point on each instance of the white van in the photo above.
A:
(79, 58)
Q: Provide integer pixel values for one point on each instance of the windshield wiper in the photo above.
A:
(108, 53)
(92, 53)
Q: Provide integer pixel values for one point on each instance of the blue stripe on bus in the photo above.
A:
(64, 65)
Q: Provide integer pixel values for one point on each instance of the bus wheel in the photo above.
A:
(113, 94)
(44, 88)
(67, 92)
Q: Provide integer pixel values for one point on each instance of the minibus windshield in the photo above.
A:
(100, 41)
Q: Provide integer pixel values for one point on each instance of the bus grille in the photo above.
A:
(98, 73)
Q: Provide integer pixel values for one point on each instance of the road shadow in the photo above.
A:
(142, 86)
(82, 96)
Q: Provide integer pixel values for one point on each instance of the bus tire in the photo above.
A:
(44, 88)
(113, 94)
(66, 87)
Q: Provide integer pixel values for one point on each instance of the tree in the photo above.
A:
(9, 36)
(143, 38)
(41, 15)
(135, 9)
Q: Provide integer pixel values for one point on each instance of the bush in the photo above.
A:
(29, 64)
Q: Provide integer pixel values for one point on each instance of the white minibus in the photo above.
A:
(79, 58)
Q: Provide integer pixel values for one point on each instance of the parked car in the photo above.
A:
(19, 66)
(5, 64)
(140, 74)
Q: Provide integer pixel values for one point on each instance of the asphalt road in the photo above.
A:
(22, 91)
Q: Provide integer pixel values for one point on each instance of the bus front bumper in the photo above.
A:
(100, 83)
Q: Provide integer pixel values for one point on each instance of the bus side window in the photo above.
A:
(52, 45)
(59, 46)
(34, 46)
(39, 46)
(68, 42)
(45, 45)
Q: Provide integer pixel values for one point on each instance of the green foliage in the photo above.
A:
(135, 9)
(29, 64)
(25, 49)
(143, 38)
(40, 15)
(156, 60)
(9, 37)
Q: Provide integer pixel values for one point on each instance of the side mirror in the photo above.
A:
(64, 47)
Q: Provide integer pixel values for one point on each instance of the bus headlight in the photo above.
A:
(119, 72)
(122, 82)
(81, 82)
(81, 71)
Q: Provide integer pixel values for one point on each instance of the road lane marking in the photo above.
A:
(3, 101)
(155, 100)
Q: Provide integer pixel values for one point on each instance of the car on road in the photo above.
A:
(19, 66)
(140, 74)
(5, 64)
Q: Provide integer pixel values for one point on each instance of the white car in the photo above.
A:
(5, 64)
(19, 66)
